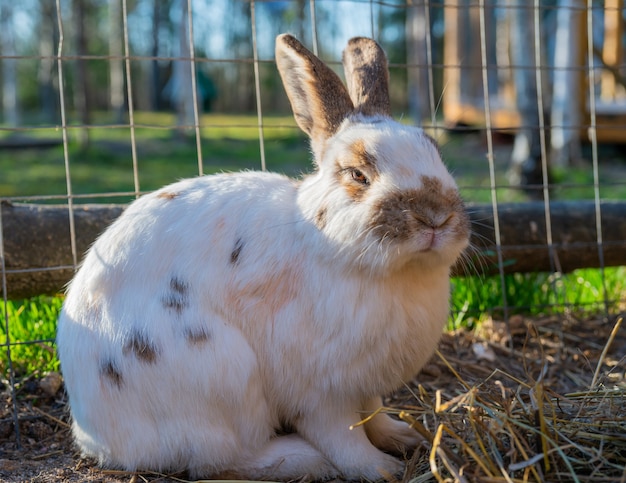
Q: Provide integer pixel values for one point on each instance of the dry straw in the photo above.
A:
(511, 426)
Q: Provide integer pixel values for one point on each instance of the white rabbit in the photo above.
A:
(240, 324)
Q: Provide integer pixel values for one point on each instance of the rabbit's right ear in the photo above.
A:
(318, 97)
(367, 75)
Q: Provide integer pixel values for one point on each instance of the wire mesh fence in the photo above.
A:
(104, 101)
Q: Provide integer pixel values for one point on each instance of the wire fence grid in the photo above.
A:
(326, 25)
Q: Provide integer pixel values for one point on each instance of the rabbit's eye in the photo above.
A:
(359, 177)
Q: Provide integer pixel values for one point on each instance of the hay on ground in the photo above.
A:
(552, 408)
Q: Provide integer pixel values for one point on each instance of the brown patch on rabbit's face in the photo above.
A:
(429, 209)
(358, 171)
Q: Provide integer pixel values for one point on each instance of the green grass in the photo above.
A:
(584, 291)
(230, 143)
(30, 320)
(164, 155)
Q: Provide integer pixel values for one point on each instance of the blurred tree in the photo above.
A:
(391, 20)
(416, 53)
(10, 108)
(82, 85)
(240, 43)
(155, 74)
(165, 37)
(293, 17)
(48, 40)
(566, 117)
(525, 165)
(181, 81)
(116, 64)
(299, 8)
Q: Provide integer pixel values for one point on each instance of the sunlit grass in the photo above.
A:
(163, 155)
(32, 327)
(160, 125)
(583, 291)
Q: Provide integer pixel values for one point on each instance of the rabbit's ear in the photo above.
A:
(367, 76)
(319, 100)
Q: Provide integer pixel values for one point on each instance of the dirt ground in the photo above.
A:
(565, 350)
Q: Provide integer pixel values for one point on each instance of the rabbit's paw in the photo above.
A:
(392, 436)
(382, 467)
(347, 446)
(284, 458)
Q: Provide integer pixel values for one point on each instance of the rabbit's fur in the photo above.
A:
(239, 324)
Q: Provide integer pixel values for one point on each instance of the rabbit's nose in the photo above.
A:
(433, 220)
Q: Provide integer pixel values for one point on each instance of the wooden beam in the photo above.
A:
(524, 239)
(37, 250)
(38, 258)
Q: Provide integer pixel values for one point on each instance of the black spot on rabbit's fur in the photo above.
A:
(141, 348)
(177, 299)
(234, 255)
(109, 371)
(197, 336)
(179, 286)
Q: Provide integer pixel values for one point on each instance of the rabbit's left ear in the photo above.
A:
(319, 100)
(367, 76)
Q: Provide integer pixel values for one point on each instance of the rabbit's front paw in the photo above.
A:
(347, 446)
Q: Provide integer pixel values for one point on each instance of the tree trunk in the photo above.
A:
(38, 256)
(181, 73)
(116, 64)
(48, 40)
(155, 75)
(244, 99)
(300, 7)
(81, 88)
(525, 168)
(417, 70)
(10, 110)
(566, 117)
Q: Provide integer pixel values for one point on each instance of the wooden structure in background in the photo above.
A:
(463, 99)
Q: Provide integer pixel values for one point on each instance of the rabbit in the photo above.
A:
(244, 324)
